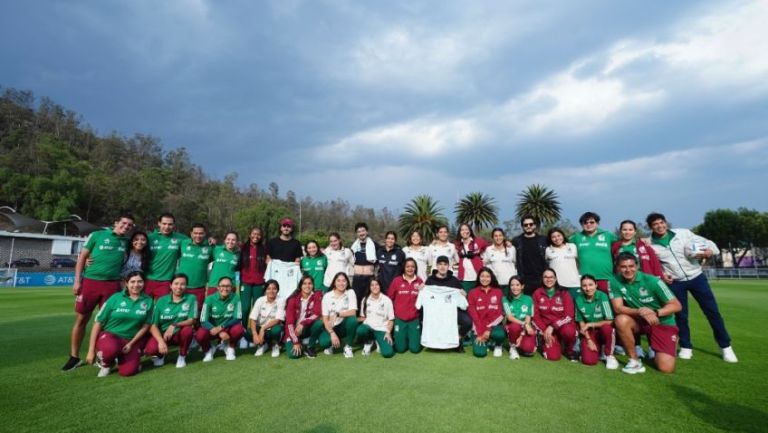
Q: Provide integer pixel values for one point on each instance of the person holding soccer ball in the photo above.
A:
(680, 252)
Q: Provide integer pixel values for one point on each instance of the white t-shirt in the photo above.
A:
(287, 274)
(333, 304)
(439, 303)
(502, 264)
(448, 250)
(423, 259)
(378, 312)
(563, 261)
(341, 260)
(263, 311)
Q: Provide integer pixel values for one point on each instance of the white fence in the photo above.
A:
(737, 273)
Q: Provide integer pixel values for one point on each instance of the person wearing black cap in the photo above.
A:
(284, 247)
(443, 276)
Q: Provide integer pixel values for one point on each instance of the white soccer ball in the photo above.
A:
(694, 248)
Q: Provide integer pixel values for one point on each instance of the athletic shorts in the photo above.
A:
(93, 293)
(663, 337)
(157, 289)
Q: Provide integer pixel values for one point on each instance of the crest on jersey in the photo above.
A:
(558, 301)
(106, 241)
(144, 305)
(174, 241)
(494, 300)
(524, 308)
(167, 310)
(123, 304)
(189, 247)
(601, 237)
(643, 291)
(205, 250)
(231, 307)
(394, 257)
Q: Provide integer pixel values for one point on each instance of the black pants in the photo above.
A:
(360, 284)
(465, 323)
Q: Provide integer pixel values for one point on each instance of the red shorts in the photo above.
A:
(603, 285)
(211, 290)
(200, 295)
(157, 289)
(93, 293)
(663, 337)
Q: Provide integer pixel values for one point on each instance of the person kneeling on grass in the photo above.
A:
(121, 327)
(173, 319)
(595, 317)
(553, 316)
(403, 292)
(485, 309)
(377, 316)
(303, 322)
(265, 321)
(644, 305)
(339, 309)
(518, 308)
(220, 319)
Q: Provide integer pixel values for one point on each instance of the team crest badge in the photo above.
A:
(643, 291)
(106, 241)
(558, 301)
(230, 307)
(144, 305)
(493, 300)
(123, 304)
(167, 310)
(205, 250)
(174, 241)
(601, 237)
(524, 308)
(185, 307)
(189, 247)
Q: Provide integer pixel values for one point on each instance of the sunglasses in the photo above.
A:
(529, 225)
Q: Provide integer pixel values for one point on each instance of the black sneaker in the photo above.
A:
(72, 364)
(310, 352)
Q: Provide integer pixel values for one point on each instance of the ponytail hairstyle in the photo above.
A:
(368, 293)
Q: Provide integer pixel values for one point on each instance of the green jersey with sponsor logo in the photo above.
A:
(123, 316)
(167, 312)
(646, 291)
(107, 250)
(217, 311)
(164, 252)
(315, 268)
(194, 262)
(595, 253)
(593, 310)
(519, 307)
(224, 265)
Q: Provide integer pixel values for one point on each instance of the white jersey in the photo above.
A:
(563, 261)
(378, 312)
(334, 304)
(501, 262)
(448, 250)
(263, 311)
(341, 260)
(287, 274)
(423, 259)
(439, 303)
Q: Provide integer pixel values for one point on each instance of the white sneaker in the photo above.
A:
(229, 353)
(618, 350)
(261, 350)
(209, 354)
(348, 352)
(366, 349)
(611, 363)
(158, 361)
(328, 351)
(103, 372)
(729, 355)
(275, 350)
(243, 343)
(497, 352)
(512, 353)
(634, 366)
(651, 353)
(685, 353)
(639, 351)
(181, 361)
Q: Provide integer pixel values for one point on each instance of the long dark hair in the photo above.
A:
(261, 252)
(297, 291)
(558, 287)
(144, 254)
(333, 281)
(494, 281)
(319, 251)
(519, 279)
(500, 230)
(368, 293)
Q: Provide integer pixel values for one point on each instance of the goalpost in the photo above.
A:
(8, 277)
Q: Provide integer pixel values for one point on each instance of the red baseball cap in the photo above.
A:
(286, 222)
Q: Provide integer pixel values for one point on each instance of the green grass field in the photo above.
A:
(430, 392)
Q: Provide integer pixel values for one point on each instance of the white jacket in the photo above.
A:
(673, 258)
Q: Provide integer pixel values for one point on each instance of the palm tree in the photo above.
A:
(478, 210)
(539, 202)
(422, 214)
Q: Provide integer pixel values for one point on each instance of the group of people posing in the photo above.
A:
(551, 294)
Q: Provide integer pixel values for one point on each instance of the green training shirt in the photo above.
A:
(165, 251)
(596, 310)
(167, 312)
(224, 265)
(107, 250)
(315, 268)
(194, 262)
(221, 312)
(646, 291)
(518, 307)
(123, 316)
(595, 253)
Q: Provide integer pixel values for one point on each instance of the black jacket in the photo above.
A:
(541, 262)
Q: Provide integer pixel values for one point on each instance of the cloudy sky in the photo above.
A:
(621, 107)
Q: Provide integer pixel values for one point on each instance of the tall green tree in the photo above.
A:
(540, 202)
(478, 210)
(736, 230)
(423, 215)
